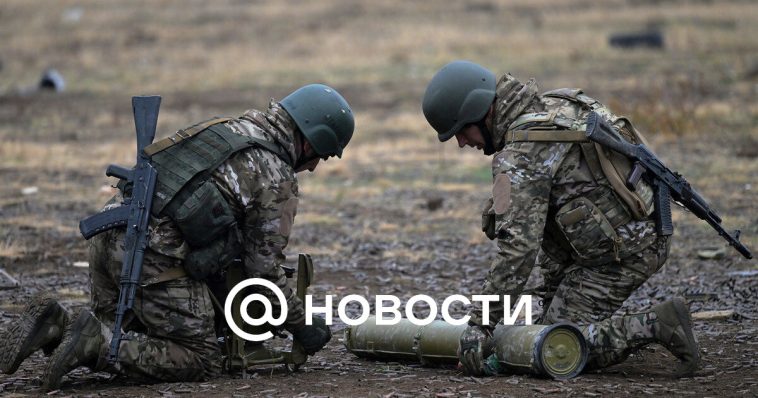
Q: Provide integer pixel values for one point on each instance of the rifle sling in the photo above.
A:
(165, 276)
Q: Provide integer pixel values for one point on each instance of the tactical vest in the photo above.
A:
(186, 194)
(609, 206)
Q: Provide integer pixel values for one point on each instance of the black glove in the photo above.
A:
(313, 337)
(488, 220)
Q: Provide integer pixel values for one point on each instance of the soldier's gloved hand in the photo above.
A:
(313, 337)
(475, 350)
(488, 219)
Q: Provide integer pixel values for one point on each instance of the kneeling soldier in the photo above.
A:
(554, 191)
(213, 206)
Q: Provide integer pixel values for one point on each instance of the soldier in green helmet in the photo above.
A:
(213, 207)
(557, 195)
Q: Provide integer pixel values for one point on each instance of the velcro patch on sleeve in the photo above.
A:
(501, 193)
(288, 216)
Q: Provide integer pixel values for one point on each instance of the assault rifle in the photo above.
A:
(134, 212)
(666, 183)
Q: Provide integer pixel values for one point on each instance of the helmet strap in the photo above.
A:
(489, 146)
(302, 159)
(300, 141)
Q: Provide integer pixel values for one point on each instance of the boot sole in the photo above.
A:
(683, 313)
(14, 345)
(52, 377)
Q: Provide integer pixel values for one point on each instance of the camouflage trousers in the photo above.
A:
(588, 296)
(170, 333)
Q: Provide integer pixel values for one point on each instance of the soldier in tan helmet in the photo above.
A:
(554, 192)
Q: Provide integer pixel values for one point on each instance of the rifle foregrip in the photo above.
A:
(118, 171)
(662, 199)
(634, 176)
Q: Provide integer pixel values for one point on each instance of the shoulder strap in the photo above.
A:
(181, 135)
(542, 121)
(530, 118)
(239, 142)
(549, 127)
(574, 95)
(567, 93)
(546, 136)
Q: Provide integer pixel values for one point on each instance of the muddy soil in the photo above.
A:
(369, 236)
(399, 213)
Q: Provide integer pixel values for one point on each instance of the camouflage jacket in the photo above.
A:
(262, 192)
(545, 196)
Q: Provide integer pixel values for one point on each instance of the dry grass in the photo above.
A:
(46, 157)
(226, 56)
(367, 219)
(197, 46)
(38, 221)
(10, 250)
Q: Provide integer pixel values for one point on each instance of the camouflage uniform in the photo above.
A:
(594, 258)
(171, 335)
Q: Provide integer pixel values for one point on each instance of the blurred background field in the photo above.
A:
(399, 211)
(223, 57)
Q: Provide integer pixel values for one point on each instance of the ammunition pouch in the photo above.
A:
(202, 214)
(588, 232)
(210, 259)
(208, 226)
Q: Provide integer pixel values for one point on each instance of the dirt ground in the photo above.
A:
(399, 213)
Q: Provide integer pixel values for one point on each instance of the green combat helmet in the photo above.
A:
(459, 94)
(323, 116)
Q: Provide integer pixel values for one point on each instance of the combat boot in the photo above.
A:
(85, 343)
(674, 331)
(41, 326)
